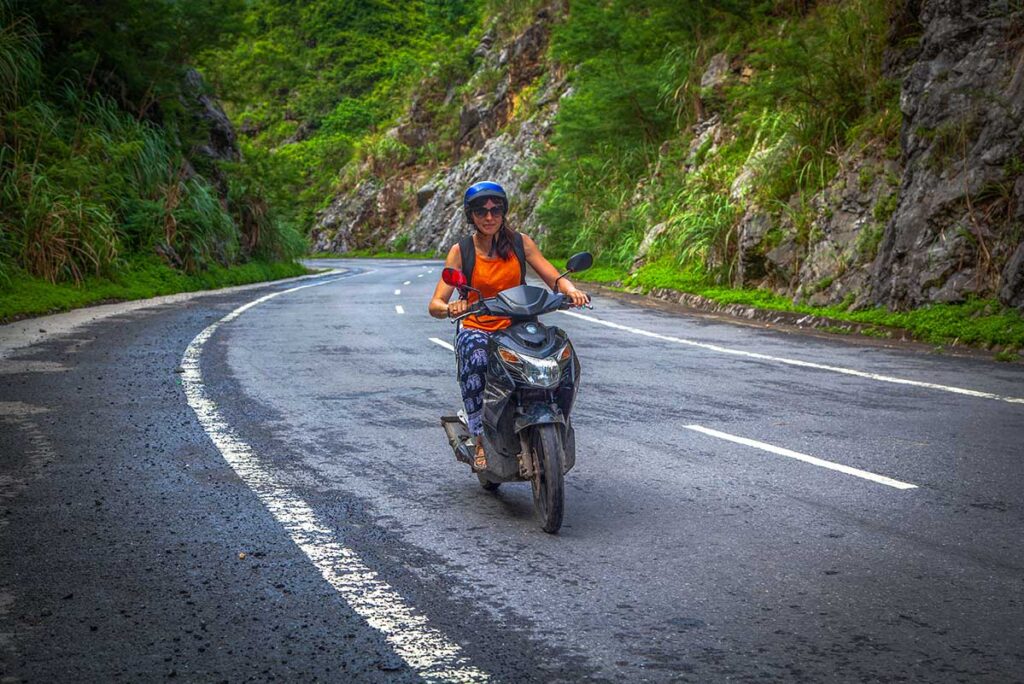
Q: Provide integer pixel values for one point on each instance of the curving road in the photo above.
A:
(215, 489)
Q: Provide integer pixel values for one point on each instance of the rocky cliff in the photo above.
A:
(933, 214)
(959, 223)
(938, 218)
(502, 126)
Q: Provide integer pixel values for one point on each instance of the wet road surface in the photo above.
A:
(277, 500)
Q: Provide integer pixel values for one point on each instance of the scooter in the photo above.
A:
(531, 383)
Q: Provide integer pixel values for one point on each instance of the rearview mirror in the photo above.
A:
(579, 262)
(454, 277)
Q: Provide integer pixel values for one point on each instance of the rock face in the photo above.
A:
(357, 220)
(494, 141)
(957, 228)
(219, 141)
(442, 223)
(944, 220)
(936, 219)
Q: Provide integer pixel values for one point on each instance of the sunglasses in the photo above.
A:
(481, 212)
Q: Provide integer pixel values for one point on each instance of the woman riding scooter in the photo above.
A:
(493, 256)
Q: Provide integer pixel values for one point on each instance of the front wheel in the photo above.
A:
(548, 482)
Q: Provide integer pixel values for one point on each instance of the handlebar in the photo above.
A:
(481, 307)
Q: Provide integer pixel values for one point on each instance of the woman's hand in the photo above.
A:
(577, 297)
(457, 308)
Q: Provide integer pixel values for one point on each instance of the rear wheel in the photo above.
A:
(487, 484)
(548, 483)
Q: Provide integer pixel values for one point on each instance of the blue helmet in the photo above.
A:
(480, 191)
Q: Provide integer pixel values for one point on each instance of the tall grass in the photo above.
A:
(20, 50)
(811, 78)
(85, 185)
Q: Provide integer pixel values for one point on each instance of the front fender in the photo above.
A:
(539, 414)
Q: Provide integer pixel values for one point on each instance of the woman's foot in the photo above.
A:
(480, 459)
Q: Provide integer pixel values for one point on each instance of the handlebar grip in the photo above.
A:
(471, 311)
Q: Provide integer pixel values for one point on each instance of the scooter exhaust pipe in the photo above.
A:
(457, 436)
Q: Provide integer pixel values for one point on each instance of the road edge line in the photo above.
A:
(424, 648)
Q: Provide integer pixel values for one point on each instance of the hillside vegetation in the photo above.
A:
(861, 157)
(108, 168)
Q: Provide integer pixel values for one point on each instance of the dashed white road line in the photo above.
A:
(398, 292)
(407, 282)
(802, 364)
(444, 344)
(399, 309)
(856, 472)
(419, 275)
(425, 649)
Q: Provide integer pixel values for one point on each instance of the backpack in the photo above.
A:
(468, 252)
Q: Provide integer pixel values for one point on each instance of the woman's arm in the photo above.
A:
(548, 273)
(439, 306)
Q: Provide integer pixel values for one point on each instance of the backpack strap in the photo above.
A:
(467, 251)
(520, 250)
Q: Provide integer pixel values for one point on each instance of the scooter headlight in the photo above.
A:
(540, 372)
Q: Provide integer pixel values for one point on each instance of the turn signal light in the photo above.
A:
(508, 356)
(566, 353)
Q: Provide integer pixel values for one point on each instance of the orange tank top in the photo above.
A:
(491, 276)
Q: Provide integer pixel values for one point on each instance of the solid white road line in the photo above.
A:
(407, 282)
(426, 650)
(398, 292)
(442, 343)
(856, 472)
(802, 364)
(399, 309)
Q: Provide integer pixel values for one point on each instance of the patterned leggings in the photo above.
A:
(471, 350)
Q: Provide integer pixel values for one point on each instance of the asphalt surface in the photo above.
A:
(131, 550)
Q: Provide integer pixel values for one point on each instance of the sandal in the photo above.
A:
(480, 459)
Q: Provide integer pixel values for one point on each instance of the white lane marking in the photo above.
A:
(419, 275)
(407, 282)
(856, 472)
(398, 292)
(399, 309)
(802, 364)
(426, 650)
(442, 343)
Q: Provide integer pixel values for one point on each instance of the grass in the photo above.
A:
(981, 323)
(373, 254)
(139, 279)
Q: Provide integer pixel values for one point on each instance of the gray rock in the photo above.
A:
(963, 105)
(717, 71)
(1012, 292)
(339, 224)
(424, 194)
(754, 227)
(221, 142)
(782, 261)
(650, 237)
(484, 46)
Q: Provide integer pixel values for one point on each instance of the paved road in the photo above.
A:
(274, 498)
